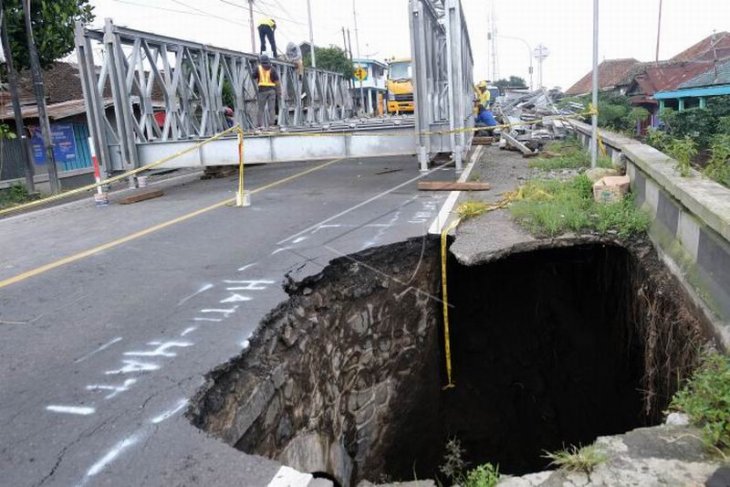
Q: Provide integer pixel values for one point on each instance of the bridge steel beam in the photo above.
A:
(442, 77)
(145, 74)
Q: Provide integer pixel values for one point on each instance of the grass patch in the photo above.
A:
(706, 400)
(551, 208)
(13, 196)
(569, 155)
(575, 459)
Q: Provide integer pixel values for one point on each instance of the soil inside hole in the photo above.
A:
(551, 348)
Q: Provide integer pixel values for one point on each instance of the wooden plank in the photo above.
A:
(452, 186)
(516, 143)
(141, 196)
(482, 140)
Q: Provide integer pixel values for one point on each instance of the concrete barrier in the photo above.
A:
(691, 220)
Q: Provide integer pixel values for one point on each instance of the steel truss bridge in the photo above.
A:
(168, 94)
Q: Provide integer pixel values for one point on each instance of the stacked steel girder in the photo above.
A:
(147, 74)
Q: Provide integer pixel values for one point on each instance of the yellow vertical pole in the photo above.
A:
(241, 199)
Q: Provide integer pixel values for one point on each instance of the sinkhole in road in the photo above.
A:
(551, 347)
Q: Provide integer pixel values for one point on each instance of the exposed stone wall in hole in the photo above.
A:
(317, 390)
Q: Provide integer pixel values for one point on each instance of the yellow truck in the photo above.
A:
(400, 86)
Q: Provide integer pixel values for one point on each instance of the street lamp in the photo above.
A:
(529, 52)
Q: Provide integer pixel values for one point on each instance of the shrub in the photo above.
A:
(683, 151)
(658, 139)
(718, 167)
(706, 400)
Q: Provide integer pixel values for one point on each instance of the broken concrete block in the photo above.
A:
(611, 189)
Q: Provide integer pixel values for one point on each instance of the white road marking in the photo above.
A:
(250, 285)
(131, 366)
(199, 291)
(103, 347)
(160, 351)
(167, 414)
(80, 410)
(214, 320)
(443, 215)
(187, 330)
(299, 239)
(235, 298)
(116, 389)
(360, 205)
(241, 269)
(111, 455)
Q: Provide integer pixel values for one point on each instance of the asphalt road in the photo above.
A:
(110, 317)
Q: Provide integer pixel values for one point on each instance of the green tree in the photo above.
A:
(331, 59)
(512, 82)
(53, 27)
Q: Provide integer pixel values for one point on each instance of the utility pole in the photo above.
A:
(250, 21)
(357, 47)
(658, 32)
(35, 68)
(541, 53)
(349, 51)
(311, 33)
(19, 125)
(594, 117)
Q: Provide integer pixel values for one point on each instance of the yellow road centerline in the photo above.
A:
(133, 236)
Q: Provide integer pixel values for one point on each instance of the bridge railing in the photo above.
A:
(442, 77)
(166, 89)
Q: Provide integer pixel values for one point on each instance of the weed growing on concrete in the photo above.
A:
(454, 464)
(14, 195)
(486, 475)
(574, 459)
(551, 208)
(706, 400)
(470, 209)
(566, 154)
(454, 468)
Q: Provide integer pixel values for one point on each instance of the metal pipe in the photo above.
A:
(250, 21)
(594, 117)
(311, 34)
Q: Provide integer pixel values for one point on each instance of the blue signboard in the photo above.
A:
(64, 143)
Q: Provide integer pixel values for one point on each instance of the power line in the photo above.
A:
(261, 12)
(207, 14)
(199, 13)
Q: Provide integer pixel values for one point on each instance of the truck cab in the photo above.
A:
(400, 86)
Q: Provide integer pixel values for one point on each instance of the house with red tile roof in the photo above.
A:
(610, 74)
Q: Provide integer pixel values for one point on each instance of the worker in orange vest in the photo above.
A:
(266, 30)
(267, 81)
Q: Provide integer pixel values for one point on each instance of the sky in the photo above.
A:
(627, 28)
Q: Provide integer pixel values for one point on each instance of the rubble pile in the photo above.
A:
(532, 120)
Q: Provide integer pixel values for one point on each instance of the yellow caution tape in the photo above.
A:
(239, 131)
(468, 209)
(119, 177)
(445, 303)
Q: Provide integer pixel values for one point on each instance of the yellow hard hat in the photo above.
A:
(482, 84)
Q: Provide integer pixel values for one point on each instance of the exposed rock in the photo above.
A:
(646, 457)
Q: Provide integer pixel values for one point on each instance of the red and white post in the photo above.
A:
(101, 198)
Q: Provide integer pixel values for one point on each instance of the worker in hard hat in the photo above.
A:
(267, 81)
(266, 30)
(483, 95)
